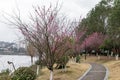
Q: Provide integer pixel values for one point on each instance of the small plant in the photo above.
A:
(6, 71)
(78, 59)
(41, 63)
(4, 75)
(61, 63)
(23, 73)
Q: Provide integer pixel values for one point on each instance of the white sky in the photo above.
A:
(71, 8)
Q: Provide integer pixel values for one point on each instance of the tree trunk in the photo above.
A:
(117, 56)
(38, 69)
(31, 60)
(111, 54)
(75, 59)
(98, 57)
(85, 56)
(51, 75)
(65, 69)
(108, 55)
(62, 68)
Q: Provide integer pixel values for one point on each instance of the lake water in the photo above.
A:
(18, 61)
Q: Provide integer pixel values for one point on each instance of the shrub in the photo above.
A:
(4, 75)
(23, 73)
(6, 71)
(42, 62)
(78, 59)
(34, 67)
(61, 63)
(37, 62)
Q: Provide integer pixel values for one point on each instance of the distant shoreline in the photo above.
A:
(5, 53)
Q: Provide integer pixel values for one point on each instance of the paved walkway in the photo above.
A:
(97, 72)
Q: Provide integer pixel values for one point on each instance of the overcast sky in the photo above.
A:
(71, 8)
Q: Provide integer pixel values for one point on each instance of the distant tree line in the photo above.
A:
(103, 19)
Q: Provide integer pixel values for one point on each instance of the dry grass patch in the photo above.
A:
(103, 59)
(74, 71)
(114, 70)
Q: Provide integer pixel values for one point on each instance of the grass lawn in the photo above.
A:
(74, 71)
(112, 64)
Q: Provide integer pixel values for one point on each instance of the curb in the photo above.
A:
(107, 73)
(85, 72)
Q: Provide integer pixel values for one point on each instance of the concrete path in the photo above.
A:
(96, 72)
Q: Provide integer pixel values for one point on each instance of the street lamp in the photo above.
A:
(12, 64)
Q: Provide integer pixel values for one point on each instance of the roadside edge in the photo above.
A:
(107, 73)
(85, 72)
